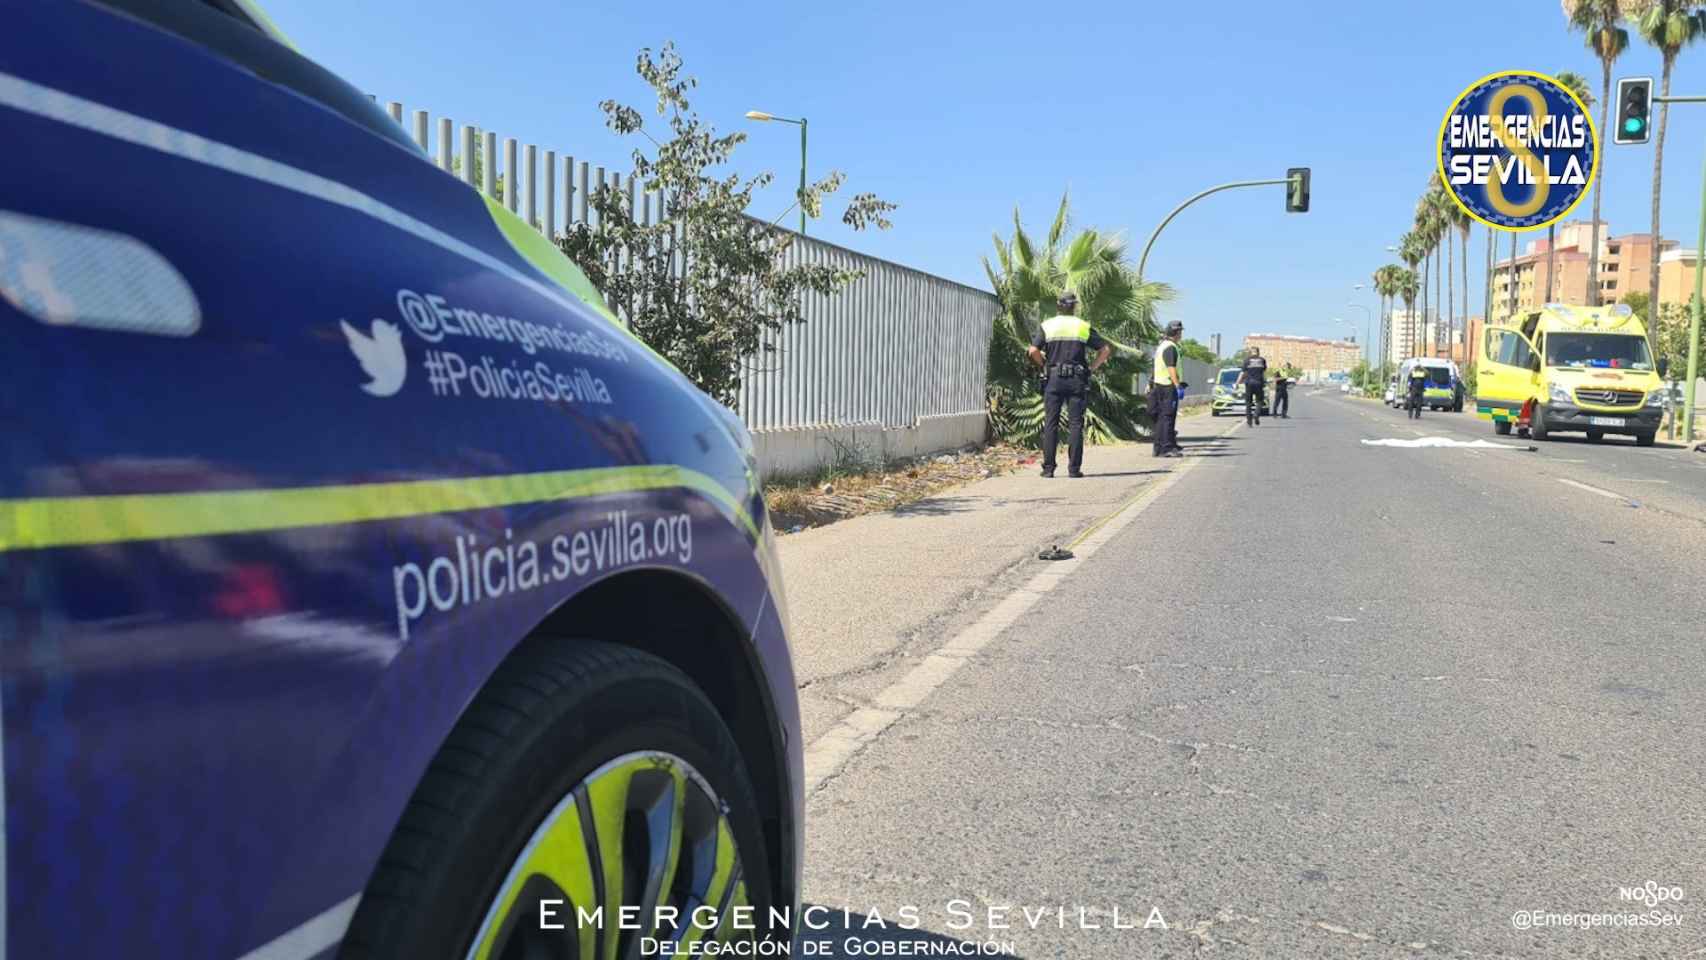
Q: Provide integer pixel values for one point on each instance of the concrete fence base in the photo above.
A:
(801, 451)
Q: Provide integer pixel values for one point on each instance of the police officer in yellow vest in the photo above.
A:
(1164, 388)
(1062, 348)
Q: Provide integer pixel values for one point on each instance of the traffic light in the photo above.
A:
(1634, 105)
(1297, 190)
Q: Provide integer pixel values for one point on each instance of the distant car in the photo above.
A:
(1345, 387)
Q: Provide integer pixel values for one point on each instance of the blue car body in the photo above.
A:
(302, 438)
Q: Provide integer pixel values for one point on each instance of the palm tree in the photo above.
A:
(1512, 278)
(1407, 287)
(1028, 278)
(1387, 281)
(1598, 21)
(1446, 212)
(1463, 222)
(1668, 25)
(1430, 227)
(1412, 251)
(1577, 84)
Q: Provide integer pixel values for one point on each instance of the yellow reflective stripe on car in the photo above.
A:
(39, 523)
(265, 22)
(544, 255)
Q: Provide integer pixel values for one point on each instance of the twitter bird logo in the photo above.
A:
(381, 356)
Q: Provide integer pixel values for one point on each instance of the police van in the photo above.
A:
(366, 589)
(1442, 389)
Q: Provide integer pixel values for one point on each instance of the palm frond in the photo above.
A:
(1058, 227)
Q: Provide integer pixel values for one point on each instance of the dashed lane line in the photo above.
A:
(1597, 491)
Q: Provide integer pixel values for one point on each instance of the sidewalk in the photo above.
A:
(864, 594)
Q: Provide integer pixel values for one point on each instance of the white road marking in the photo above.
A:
(1593, 490)
(829, 753)
(1635, 480)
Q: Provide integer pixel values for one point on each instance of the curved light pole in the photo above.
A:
(763, 117)
(1176, 210)
(1368, 314)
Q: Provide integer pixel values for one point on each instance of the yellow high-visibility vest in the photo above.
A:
(1163, 377)
(1066, 327)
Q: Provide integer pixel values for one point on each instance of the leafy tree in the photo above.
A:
(1600, 23)
(1197, 351)
(1638, 302)
(1668, 25)
(1670, 337)
(707, 286)
(1028, 278)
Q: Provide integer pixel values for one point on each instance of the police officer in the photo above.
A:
(1062, 349)
(1164, 392)
(1282, 397)
(1255, 379)
(1418, 385)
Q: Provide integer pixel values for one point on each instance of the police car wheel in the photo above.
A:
(584, 775)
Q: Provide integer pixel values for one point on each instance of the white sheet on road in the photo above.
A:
(1442, 442)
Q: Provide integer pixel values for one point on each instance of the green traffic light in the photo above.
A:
(1633, 125)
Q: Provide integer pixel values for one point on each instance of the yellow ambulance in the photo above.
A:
(1574, 368)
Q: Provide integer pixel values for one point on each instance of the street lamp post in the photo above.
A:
(1368, 313)
(1368, 328)
(763, 117)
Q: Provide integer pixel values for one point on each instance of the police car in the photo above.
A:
(1229, 392)
(366, 590)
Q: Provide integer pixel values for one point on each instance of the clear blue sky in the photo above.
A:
(960, 111)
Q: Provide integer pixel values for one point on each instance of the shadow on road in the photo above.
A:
(938, 507)
(1125, 473)
(848, 934)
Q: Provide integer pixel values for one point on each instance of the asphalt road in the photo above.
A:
(1316, 699)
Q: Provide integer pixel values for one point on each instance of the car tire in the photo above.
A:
(1646, 439)
(1537, 424)
(1213, 412)
(1595, 436)
(1502, 427)
(560, 725)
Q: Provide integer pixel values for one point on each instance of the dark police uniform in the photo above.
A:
(1164, 397)
(1282, 397)
(1418, 384)
(1066, 342)
(1255, 384)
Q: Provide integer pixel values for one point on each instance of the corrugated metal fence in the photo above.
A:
(893, 348)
